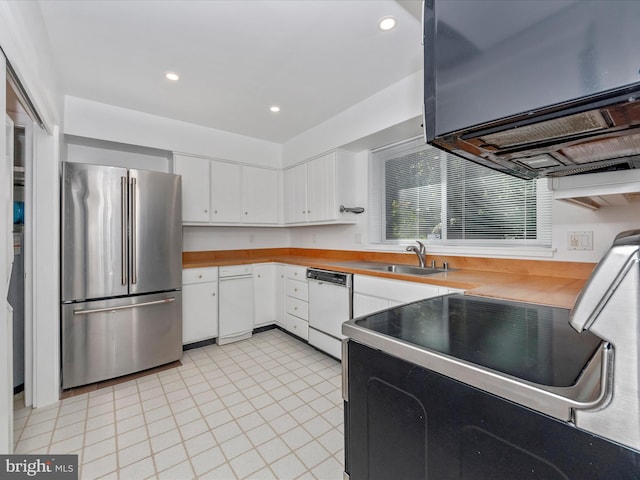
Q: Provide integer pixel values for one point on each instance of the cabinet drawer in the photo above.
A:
(199, 275)
(297, 327)
(296, 272)
(298, 308)
(297, 289)
(395, 290)
(236, 270)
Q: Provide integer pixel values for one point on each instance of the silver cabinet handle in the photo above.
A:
(123, 307)
(134, 244)
(123, 225)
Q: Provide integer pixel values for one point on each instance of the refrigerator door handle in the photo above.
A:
(123, 307)
(123, 235)
(134, 243)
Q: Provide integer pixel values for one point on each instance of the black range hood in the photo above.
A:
(534, 88)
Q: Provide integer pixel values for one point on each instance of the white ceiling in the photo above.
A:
(236, 58)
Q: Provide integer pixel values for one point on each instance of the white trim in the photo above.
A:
(505, 251)
(28, 240)
(6, 259)
(46, 307)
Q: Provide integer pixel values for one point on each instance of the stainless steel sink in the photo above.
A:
(409, 269)
(385, 267)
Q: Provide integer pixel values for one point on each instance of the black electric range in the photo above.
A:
(528, 341)
(462, 387)
(523, 352)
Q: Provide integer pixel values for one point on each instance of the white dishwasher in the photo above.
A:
(235, 308)
(330, 305)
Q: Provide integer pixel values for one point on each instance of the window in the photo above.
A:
(421, 192)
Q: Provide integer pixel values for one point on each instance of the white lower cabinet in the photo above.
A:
(236, 303)
(371, 294)
(296, 301)
(265, 280)
(276, 293)
(279, 286)
(364, 304)
(297, 326)
(199, 304)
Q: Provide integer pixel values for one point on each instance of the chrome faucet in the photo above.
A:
(420, 251)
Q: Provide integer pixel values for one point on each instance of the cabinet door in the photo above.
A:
(199, 312)
(264, 288)
(280, 294)
(235, 309)
(295, 184)
(226, 203)
(366, 304)
(195, 187)
(321, 189)
(259, 195)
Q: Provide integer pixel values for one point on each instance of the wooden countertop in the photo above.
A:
(542, 282)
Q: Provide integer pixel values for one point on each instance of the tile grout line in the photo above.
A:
(236, 367)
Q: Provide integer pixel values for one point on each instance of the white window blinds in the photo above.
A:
(420, 192)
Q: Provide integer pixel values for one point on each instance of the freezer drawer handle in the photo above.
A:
(123, 307)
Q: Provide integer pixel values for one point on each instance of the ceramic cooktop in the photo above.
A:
(528, 341)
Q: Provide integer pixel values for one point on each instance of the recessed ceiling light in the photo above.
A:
(274, 108)
(387, 23)
(172, 76)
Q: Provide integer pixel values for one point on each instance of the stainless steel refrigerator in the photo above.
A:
(121, 242)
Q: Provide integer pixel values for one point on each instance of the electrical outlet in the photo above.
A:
(580, 240)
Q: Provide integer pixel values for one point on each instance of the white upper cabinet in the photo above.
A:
(322, 189)
(226, 194)
(315, 190)
(295, 194)
(195, 187)
(260, 194)
(216, 192)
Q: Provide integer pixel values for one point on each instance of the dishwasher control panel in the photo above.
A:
(338, 278)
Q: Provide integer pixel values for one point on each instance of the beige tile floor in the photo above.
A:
(264, 408)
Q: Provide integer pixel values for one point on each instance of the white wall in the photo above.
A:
(605, 223)
(25, 42)
(234, 238)
(85, 118)
(390, 107)
(99, 152)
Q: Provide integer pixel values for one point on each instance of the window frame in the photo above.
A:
(540, 246)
